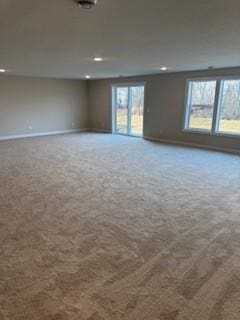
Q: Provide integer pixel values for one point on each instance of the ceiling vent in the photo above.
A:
(86, 4)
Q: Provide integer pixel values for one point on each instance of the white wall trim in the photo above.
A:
(192, 144)
(40, 134)
(166, 141)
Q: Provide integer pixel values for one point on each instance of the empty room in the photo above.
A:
(119, 160)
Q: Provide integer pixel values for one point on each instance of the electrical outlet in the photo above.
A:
(73, 124)
(30, 127)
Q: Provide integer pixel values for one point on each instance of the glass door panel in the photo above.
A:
(136, 110)
(122, 103)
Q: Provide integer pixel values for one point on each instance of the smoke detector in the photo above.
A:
(86, 4)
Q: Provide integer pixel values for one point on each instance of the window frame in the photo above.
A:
(214, 131)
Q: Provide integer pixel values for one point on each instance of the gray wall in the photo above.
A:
(164, 107)
(54, 105)
(44, 104)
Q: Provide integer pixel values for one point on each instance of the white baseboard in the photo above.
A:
(193, 145)
(40, 134)
(166, 141)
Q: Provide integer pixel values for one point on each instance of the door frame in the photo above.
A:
(114, 106)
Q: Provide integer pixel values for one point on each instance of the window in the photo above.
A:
(213, 106)
(201, 101)
(229, 107)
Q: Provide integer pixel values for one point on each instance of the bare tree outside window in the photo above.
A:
(230, 107)
(201, 104)
(213, 106)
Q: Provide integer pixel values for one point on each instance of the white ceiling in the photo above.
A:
(54, 38)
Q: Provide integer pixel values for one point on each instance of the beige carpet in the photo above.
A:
(103, 227)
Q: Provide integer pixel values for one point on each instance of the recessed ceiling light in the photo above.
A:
(3, 70)
(98, 59)
(86, 4)
(87, 77)
(163, 68)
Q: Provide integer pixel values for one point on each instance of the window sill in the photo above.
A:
(210, 133)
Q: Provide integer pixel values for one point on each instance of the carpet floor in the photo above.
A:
(104, 227)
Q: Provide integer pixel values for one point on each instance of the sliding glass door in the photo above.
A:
(128, 109)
